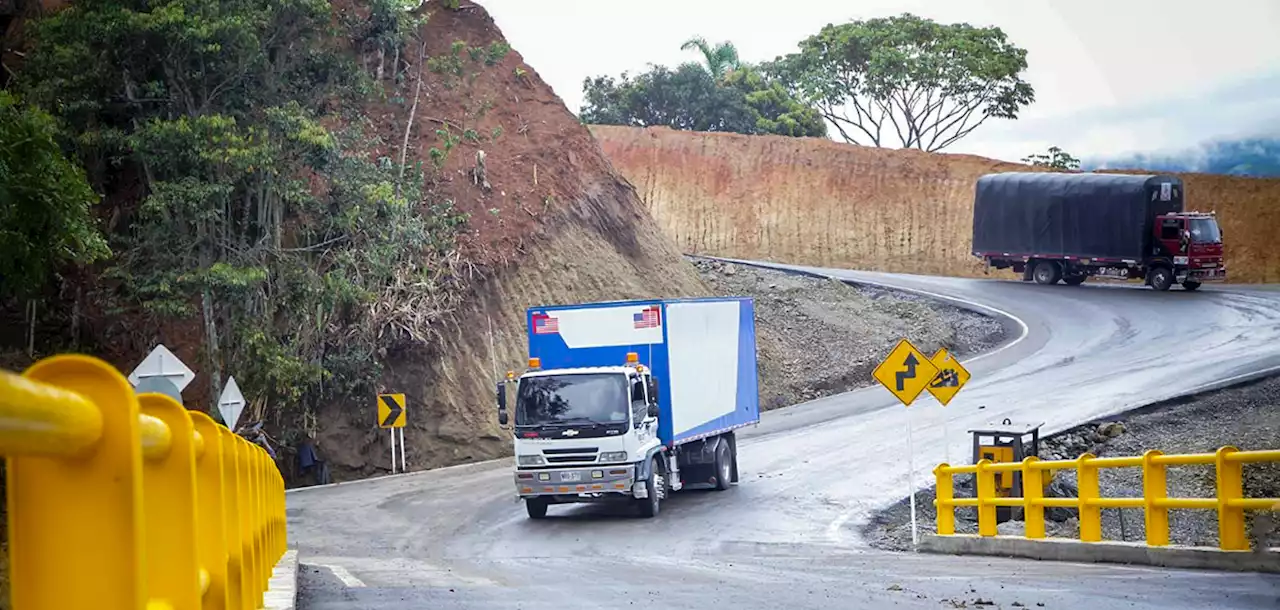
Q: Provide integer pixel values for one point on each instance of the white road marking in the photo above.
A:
(342, 574)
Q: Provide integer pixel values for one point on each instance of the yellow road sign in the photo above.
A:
(391, 411)
(950, 379)
(905, 372)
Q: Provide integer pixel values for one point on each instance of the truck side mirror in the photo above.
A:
(653, 410)
(502, 404)
(653, 388)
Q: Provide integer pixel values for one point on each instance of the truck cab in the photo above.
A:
(580, 431)
(1193, 241)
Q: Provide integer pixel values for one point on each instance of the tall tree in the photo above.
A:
(1056, 159)
(721, 58)
(906, 77)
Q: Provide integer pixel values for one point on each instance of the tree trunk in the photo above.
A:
(211, 349)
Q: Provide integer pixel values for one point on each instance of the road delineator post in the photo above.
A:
(190, 515)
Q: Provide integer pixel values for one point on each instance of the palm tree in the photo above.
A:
(721, 59)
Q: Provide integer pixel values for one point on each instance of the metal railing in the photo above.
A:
(118, 500)
(1229, 502)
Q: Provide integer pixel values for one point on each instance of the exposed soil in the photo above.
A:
(817, 202)
(1246, 417)
(819, 337)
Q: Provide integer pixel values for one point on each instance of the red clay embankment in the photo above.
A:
(813, 201)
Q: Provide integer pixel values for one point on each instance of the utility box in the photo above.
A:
(1006, 442)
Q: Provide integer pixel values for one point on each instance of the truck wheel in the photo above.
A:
(536, 507)
(655, 486)
(1160, 278)
(1190, 285)
(1047, 272)
(1074, 280)
(724, 466)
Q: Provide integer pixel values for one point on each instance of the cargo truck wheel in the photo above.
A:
(1160, 278)
(724, 466)
(656, 487)
(536, 507)
(1190, 285)
(1047, 272)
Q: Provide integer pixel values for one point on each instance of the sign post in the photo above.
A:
(391, 414)
(231, 404)
(162, 364)
(905, 372)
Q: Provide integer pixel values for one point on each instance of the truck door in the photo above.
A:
(1171, 234)
(645, 426)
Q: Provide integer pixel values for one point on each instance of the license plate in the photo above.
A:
(570, 476)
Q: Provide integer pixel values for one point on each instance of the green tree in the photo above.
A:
(689, 98)
(1056, 159)
(45, 200)
(302, 258)
(721, 59)
(926, 84)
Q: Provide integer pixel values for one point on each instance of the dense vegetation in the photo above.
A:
(905, 78)
(722, 94)
(228, 141)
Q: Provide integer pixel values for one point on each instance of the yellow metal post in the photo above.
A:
(73, 520)
(212, 545)
(946, 492)
(237, 599)
(1231, 534)
(1032, 493)
(1155, 487)
(1088, 489)
(986, 486)
(168, 489)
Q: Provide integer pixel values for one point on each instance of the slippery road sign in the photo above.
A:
(906, 372)
(950, 379)
(391, 411)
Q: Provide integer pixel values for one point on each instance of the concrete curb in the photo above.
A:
(282, 589)
(1050, 549)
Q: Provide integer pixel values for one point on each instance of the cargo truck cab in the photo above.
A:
(1192, 243)
(593, 423)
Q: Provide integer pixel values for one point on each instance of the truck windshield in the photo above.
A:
(1204, 230)
(577, 399)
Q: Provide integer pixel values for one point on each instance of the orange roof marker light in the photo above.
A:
(633, 358)
(535, 363)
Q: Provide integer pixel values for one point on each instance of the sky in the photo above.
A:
(1112, 77)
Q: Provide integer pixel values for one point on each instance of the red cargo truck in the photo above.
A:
(1067, 227)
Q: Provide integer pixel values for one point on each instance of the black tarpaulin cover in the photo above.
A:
(1070, 214)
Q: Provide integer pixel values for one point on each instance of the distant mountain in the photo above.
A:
(1258, 157)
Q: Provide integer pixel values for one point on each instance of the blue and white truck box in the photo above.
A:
(673, 380)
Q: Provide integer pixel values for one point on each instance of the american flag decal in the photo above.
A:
(648, 318)
(544, 324)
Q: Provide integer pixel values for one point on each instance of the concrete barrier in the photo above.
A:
(1053, 549)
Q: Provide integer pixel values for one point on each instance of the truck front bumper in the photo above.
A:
(1218, 274)
(578, 484)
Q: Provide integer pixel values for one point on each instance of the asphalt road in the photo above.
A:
(787, 534)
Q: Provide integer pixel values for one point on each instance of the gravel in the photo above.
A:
(1245, 416)
(819, 337)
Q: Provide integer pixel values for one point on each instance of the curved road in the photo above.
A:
(457, 538)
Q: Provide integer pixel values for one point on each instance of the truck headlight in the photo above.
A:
(530, 460)
(613, 456)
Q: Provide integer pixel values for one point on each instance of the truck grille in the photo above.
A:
(571, 458)
(570, 450)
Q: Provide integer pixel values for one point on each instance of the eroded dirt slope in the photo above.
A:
(814, 201)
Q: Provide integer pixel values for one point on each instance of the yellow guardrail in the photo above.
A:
(1155, 501)
(125, 501)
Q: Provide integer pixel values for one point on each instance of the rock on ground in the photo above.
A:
(819, 337)
(1246, 417)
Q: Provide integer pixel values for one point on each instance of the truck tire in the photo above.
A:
(1047, 272)
(724, 466)
(1074, 280)
(1160, 278)
(536, 507)
(1190, 285)
(655, 486)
